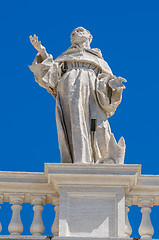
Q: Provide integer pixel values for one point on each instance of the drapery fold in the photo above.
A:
(79, 81)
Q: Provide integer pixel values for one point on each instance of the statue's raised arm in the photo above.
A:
(44, 68)
(38, 46)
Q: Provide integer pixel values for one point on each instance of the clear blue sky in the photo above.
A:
(127, 32)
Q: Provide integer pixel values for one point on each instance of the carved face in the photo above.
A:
(80, 35)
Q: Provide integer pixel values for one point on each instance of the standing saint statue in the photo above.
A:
(86, 93)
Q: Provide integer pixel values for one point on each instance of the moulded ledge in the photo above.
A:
(92, 174)
(106, 169)
(24, 237)
(30, 237)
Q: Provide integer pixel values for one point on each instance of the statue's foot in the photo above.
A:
(100, 161)
(105, 161)
(109, 161)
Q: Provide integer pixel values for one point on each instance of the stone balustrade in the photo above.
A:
(32, 188)
(145, 194)
(38, 189)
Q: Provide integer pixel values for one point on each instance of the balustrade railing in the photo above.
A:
(146, 229)
(32, 188)
(144, 194)
(36, 190)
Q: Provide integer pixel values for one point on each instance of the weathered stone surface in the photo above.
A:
(92, 198)
(87, 197)
(86, 93)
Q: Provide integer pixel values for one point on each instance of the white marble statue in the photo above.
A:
(86, 93)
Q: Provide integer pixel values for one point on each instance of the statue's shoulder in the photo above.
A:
(95, 51)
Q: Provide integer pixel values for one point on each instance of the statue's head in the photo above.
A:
(81, 35)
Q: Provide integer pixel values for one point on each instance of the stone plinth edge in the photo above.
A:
(29, 237)
(92, 174)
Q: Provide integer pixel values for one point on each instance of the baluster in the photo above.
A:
(55, 226)
(37, 227)
(146, 229)
(128, 229)
(16, 227)
(1, 201)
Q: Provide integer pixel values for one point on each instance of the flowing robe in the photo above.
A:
(78, 79)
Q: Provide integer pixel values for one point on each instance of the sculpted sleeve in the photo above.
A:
(107, 98)
(46, 73)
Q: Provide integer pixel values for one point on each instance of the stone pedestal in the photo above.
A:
(92, 198)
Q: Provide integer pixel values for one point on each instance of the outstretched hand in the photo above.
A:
(116, 83)
(37, 44)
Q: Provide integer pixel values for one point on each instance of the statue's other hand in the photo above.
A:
(37, 44)
(117, 83)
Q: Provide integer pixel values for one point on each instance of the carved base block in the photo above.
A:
(91, 198)
(92, 211)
